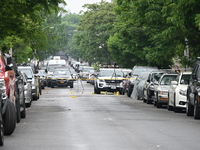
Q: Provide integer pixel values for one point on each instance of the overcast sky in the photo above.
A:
(74, 6)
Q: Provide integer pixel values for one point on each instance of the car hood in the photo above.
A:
(110, 78)
(61, 76)
(164, 87)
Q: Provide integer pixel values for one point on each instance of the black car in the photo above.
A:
(193, 92)
(62, 77)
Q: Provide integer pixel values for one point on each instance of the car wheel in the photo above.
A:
(72, 85)
(35, 98)
(158, 105)
(122, 91)
(49, 84)
(168, 106)
(17, 105)
(1, 130)
(176, 109)
(189, 108)
(52, 85)
(23, 113)
(40, 90)
(96, 90)
(9, 118)
(196, 109)
(28, 104)
(129, 92)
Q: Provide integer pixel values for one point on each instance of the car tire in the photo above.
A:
(23, 113)
(35, 98)
(96, 90)
(1, 130)
(52, 85)
(72, 85)
(129, 92)
(168, 106)
(9, 118)
(176, 109)
(189, 109)
(17, 105)
(28, 104)
(158, 105)
(196, 109)
(40, 90)
(122, 91)
(49, 84)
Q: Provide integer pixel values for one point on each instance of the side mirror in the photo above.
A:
(174, 82)
(156, 82)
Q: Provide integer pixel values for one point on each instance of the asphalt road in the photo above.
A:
(77, 119)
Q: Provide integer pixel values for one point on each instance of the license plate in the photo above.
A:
(113, 87)
(62, 82)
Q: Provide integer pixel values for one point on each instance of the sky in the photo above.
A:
(74, 6)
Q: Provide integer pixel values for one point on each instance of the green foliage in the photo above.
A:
(23, 19)
(94, 29)
(162, 27)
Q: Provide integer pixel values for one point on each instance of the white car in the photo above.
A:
(27, 90)
(178, 92)
(109, 80)
(161, 89)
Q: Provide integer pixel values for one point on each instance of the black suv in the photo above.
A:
(193, 92)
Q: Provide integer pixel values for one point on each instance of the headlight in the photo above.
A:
(183, 92)
(2, 86)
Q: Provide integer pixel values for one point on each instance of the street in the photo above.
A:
(77, 119)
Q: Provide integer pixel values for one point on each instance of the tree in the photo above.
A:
(94, 29)
(23, 19)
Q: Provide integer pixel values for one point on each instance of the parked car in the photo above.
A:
(136, 71)
(62, 77)
(178, 91)
(108, 79)
(149, 86)
(19, 90)
(162, 87)
(138, 89)
(43, 78)
(27, 90)
(193, 92)
(7, 113)
(85, 72)
(35, 81)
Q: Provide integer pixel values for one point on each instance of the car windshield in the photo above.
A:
(111, 73)
(185, 79)
(166, 80)
(63, 72)
(27, 72)
(156, 76)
